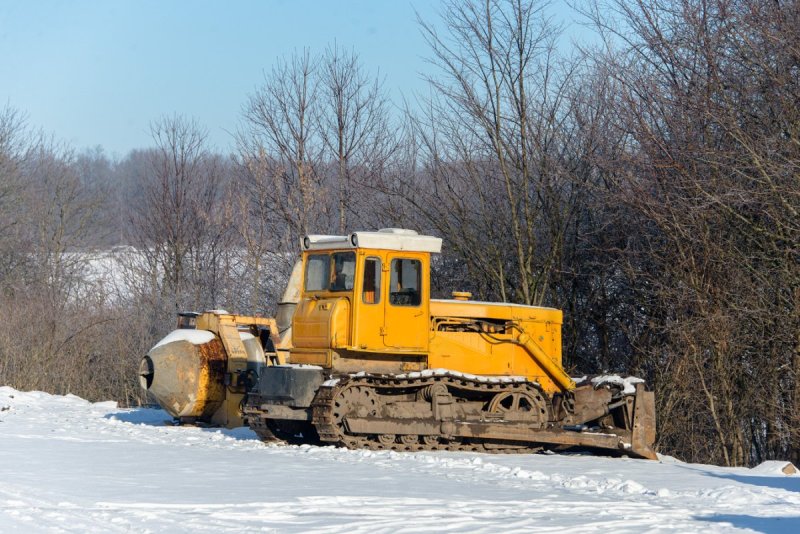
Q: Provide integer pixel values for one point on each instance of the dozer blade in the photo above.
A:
(643, 434)
(508, 432)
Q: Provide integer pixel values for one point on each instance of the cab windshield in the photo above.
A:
(330, 272)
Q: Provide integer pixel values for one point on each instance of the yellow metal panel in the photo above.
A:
(382, 363)
(340, 324)
(530, 348)
(311, 324)
(405, 328)
(368, 318)
(494, 310)
(321, 323)
(228, 415)
(322, 358)
(471, 352)
(237, 355)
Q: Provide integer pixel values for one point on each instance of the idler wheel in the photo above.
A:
(527, 406)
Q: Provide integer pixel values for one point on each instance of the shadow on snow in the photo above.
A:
(771, 525)
(788, 483)
(158, 417)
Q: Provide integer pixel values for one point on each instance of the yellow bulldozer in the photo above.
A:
(372, 361)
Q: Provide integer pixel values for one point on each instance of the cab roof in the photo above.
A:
(386, 238)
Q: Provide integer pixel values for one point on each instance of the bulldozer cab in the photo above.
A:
(365, 292)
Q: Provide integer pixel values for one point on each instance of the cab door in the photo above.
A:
(369, 302)
(406, 313)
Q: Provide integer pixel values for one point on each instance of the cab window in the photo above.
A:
(317, 268)
(344, 271)
(371, 293)
(330, 272)
(405, 282)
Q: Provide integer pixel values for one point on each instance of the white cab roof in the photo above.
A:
(386, 238)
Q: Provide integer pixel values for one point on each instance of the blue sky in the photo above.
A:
(95, 72)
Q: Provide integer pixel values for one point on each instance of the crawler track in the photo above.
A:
(367, 395)
(450, 411)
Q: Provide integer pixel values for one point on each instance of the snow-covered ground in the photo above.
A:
(67, 465)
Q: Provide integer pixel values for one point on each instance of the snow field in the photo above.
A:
(67, 465)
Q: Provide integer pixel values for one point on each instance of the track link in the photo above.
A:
(259, 425)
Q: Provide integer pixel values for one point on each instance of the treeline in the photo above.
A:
(647, 184)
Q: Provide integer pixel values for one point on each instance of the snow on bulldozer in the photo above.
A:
(373, 362)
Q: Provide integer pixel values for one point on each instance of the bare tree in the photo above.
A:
(279, 147)
(354, 126)
(708, 101)
(177, 228)
(315, 128)
(54, 339)
(495, 143)
(13, 154)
